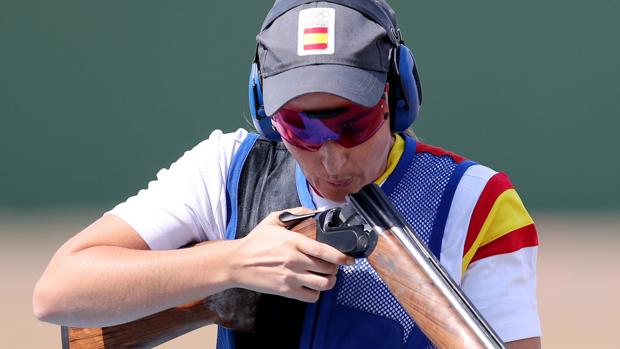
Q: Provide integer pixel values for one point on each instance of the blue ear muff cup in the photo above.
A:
(262, 123)
(408, 96)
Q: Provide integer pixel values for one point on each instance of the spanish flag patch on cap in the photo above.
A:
(316, 31)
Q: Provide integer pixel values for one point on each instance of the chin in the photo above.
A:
(339, 195)
(336, 198)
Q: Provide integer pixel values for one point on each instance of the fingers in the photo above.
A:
(310, 286)
(306, 295)
(317, 282)
(323, 251)
(277, 261)
(313, 264)
(306, 245)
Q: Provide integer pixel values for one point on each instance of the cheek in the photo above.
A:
(307, 160)
(378, 146)
(373, 154)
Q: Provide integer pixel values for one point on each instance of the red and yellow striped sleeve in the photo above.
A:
(499, 223)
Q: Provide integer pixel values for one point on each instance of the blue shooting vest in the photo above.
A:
(360, 311)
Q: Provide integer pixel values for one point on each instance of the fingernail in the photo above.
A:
(350, 261)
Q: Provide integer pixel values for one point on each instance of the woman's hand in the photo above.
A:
(272, 259)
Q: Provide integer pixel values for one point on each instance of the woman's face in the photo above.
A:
(335, 170)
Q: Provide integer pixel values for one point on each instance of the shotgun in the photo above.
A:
(369, 226)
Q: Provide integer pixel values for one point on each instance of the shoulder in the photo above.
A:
(209, 159)
(215, 153)
(499, 223)
(187, 201)
(486, 216)
(489, 247)
(421, 147)
(474, 175)
(221, 142)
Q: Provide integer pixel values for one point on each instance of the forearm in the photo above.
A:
(107, 285)
(106, 275)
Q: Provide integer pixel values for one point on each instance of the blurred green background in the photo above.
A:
(97, 96)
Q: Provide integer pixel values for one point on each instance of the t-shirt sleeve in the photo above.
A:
(499, 261)
(187, 202)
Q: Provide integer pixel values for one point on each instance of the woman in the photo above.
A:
(333, 85)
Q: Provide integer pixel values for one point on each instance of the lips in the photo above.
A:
(339, 182)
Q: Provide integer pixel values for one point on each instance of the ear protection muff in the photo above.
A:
(405, 95)
(262, 123)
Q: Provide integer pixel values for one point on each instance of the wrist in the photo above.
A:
(218, 265)
(226, 264)
(231, 263)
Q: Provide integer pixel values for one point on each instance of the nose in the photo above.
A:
(333, 157)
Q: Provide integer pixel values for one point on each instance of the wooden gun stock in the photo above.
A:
(418, 288)
(234, 308)
(417, 280)
(420, 297)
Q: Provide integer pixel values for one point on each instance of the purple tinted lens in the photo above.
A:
(349, 128)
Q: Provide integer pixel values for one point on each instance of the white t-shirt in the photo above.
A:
(187, 203)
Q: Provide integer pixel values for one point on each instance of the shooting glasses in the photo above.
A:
(348, 127)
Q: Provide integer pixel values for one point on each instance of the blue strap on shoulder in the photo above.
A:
(232, 183)
(226, 337)
(444, 207)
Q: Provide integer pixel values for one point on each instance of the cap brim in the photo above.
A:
(360, 86)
